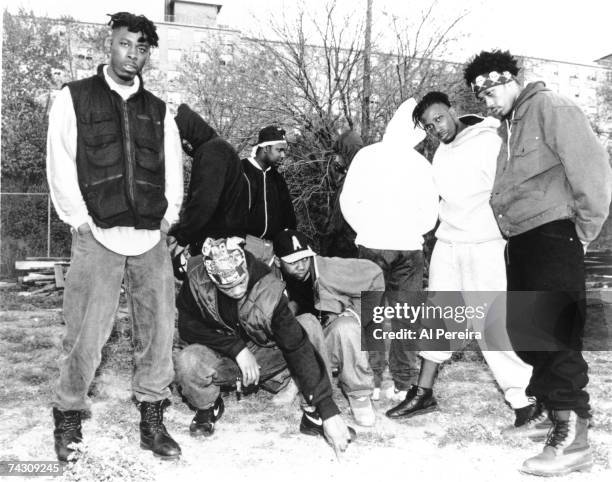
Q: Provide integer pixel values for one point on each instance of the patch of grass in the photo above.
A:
(463, 435)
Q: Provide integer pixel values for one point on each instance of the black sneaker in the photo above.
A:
(531, 422)
(312, 424)
(418, 401)
(203, 424)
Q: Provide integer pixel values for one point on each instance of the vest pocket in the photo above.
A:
(106, 198)
(147, 154)
(150, 199)
(103, 150)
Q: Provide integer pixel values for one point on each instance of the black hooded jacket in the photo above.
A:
(339, 237)
(217, 201)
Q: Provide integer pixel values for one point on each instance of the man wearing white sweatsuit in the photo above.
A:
(390, 200)
(469, 251)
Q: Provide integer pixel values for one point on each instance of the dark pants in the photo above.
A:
(403, 271)
(549, 259)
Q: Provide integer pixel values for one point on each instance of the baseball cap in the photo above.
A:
(271, 135)
(291, 246)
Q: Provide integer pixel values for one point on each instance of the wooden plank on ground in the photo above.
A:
(38, 265)
(59, 275)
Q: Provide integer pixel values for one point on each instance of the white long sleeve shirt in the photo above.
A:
(389, 197)
(63, 179)
(464, 171)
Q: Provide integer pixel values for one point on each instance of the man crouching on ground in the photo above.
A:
(328, 291)
(235, 324)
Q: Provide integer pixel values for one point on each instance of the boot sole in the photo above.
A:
(163, 457)
(423, 411)
(583, 467)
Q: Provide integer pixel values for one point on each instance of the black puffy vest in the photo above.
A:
(120, 154)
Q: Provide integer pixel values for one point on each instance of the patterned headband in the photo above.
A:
(483, 82)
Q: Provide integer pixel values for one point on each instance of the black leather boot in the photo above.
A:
(203, 424)
(67, 431)
(153, 433)
(566, 449)
(417, 402)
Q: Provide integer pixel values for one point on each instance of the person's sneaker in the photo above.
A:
(395, 395)
(375, 394)
(363, 413)
(418, 401)
(286, 395)
(203, 424)
(67, 432)
(566, 449)
(531, 422)
(312, 424)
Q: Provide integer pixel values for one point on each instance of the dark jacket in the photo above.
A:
(550, 166)
(339, 238)
(217, 201)
(120, 154)
(270, 206)
(263, 316)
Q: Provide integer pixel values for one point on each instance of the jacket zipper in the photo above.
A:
(129, 169)
(265, 205)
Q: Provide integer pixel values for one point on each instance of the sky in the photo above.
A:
(573, 31)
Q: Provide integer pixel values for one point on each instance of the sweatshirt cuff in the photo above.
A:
(327, 408)
(236, 348)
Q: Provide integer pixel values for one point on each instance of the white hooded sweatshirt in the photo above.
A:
(389, 197)
(464, 171)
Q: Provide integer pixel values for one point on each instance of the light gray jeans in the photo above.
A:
(91, 296)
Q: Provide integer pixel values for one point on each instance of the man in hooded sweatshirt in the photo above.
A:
(217, 201)
(551, 196)
(339, 237)
(469, 251)
(390, 200)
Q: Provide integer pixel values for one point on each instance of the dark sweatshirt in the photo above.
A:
(270, 206)
(217, 201)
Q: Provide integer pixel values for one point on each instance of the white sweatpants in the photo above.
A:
(473, 267)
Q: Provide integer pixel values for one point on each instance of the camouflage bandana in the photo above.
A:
(483, 82)
(225, 261)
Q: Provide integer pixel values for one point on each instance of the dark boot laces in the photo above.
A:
(153, 415)
(71, 421)
(558, 433)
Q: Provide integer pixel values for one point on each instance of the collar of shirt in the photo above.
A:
(125, 91)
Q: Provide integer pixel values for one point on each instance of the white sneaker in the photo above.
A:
(363, 413)
(286, 395)
(395, 395)
(375, 394)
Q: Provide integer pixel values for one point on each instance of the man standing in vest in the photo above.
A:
(270, 206)
(115, 176)
(236, 329)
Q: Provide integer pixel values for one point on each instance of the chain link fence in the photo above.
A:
(30, 227)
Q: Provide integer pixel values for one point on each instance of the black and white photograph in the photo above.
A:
(296, 240)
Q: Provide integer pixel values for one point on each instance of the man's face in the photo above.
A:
(237, 292)
(439, 121)
(298, 270)
(129, 52)
(275, 153)
(499, 98)
(337, 169)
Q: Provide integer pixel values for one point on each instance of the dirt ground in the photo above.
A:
(461, 441)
